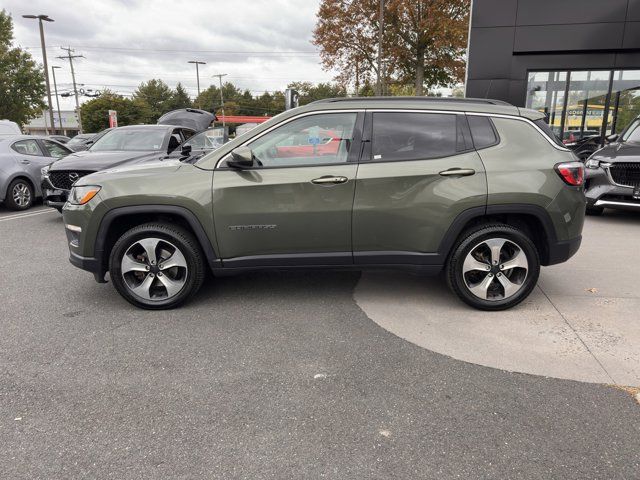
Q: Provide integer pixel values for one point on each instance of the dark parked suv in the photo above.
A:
(477, 188)
(613, 173)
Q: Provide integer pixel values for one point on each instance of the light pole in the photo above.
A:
(197, 62)
(44, 18)
(55, 90)
(380, 79)
(220, 75)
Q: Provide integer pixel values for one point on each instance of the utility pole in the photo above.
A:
(197, 75)
(220, 75)
(70, 57)
(40, 19)
(55, 89)
(380, 35)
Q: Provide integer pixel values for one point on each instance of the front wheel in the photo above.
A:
(156, 266)
(494, 267)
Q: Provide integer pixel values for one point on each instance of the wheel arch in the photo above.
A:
(533, 219)
(21, 176)
(117, 221)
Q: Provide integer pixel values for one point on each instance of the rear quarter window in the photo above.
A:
(482, 131)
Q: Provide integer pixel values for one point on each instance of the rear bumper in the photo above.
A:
(562, 251)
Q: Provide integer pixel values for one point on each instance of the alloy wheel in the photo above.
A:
(154, 269)
(21, 194)
(495, 269)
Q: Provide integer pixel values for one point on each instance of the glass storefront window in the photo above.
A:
(625, 100)
(577, 102)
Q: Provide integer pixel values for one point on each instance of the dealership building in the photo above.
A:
(578, 61)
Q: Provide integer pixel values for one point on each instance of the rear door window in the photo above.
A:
(401, 136)
(27, 147)
(482, 131)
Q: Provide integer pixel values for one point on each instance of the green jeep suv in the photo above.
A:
(479, 189)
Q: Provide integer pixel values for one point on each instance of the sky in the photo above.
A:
(261, 45)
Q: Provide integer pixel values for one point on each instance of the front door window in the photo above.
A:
(312, 140)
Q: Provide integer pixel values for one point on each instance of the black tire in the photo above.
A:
(20, 195)
(595, 211)
(191, 277)
(473, 241)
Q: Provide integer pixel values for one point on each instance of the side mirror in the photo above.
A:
(612, 138)
(242, 157)
(185, 150)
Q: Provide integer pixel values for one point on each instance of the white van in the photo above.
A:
(7, 127)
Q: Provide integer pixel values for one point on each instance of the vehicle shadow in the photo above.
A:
(616, 216)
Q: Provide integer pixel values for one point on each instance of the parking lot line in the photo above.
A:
(18, 216)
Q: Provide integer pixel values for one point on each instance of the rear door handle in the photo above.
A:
(329, 180)
(458, 172)
(25, 161)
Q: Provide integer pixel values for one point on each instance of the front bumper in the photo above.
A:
(602, 192)
(52, 196)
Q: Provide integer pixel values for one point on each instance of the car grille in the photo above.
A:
(627, 174)
(64, 179)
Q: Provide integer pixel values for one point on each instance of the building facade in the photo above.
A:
(578, 61)
(41, 124)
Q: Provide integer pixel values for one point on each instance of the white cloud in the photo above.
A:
(129, 41)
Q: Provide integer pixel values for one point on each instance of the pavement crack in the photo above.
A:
(578, 336)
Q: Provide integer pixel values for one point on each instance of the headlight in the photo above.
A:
(44, 171)
(591, 163)
(81, 195)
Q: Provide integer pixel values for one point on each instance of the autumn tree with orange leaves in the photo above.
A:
(424, 41)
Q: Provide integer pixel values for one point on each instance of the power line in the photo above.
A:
(221, 52)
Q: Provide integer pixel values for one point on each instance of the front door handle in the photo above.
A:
(458, 172)
(330, 180)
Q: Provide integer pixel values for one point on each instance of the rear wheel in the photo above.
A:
(157, 266)
(494, 267)
(19, 195)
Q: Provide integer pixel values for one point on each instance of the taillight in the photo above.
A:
(572, 173)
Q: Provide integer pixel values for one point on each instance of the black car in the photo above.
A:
(83, 141)
(59, 138)
(613, 173)
(122, 146)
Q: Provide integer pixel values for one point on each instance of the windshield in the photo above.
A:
(204, 141)
(130, 140)
(633, 132)
(79, 139)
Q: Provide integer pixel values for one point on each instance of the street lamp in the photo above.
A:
(197, 62)
(44, 18)
(55, 89)
(220, 75)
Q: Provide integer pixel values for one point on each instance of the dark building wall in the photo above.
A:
(510, 37)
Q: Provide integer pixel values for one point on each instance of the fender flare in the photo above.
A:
(182, 212)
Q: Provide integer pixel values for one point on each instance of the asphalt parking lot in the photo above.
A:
(278, 375)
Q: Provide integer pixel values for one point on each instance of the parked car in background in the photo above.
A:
(122, 146)
(199, 145)
(478, 188)
(59, 138)
(613, 173)
(81, 142)
(21, 159)
(7, 127)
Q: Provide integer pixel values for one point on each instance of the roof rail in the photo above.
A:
(482, 101)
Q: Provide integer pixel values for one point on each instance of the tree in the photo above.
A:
(310, 93)
(22, 87)
(179, 99)
(95, 112)
(157, 95)
(423, 41)
(431, 38)
(347, 34)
